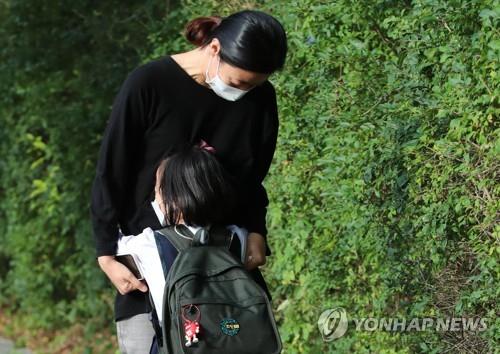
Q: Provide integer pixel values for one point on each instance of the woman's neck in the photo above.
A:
(194, 62)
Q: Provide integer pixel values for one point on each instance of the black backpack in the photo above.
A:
(211, 303)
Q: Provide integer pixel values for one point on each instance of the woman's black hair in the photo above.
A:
(250, 39)
(195, 186)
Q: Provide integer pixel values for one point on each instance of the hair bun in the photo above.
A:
(198, 30)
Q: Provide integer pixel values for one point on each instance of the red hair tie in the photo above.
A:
(204, 145)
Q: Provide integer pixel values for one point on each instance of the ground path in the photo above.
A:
(7, 347)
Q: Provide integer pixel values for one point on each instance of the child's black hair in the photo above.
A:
(196, 186)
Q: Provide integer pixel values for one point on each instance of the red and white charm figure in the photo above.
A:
(191, 327)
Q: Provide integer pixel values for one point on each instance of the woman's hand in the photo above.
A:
(121, 277)
(256, 251)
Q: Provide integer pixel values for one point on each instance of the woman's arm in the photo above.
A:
(256, 209)
(115, 166)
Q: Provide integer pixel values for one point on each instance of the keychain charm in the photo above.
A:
(191, 327)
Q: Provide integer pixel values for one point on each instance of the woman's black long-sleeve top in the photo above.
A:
(158, 110)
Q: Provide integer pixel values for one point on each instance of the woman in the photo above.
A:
(218, 92)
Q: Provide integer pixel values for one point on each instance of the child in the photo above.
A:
(192, 191)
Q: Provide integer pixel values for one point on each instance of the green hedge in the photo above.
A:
(384, 189)
(61, 65)
(386, 175)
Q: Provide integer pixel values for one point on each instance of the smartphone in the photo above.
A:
(129, 261)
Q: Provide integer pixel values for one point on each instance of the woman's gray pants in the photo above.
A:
(135, 334)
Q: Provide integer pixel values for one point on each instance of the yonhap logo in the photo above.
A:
(332, 324)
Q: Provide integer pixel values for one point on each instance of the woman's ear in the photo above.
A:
(214, 47)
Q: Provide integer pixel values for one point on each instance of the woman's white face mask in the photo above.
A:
(222, 89)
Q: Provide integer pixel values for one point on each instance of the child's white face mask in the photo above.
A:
(222, 89)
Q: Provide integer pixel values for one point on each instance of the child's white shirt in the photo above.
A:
(143, 246)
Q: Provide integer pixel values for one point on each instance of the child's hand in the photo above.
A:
(121, 277)
(256, 251)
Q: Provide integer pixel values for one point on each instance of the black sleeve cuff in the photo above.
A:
(106, 249)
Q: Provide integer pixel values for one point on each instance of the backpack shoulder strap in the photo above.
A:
(179, 236)
(201, 237)
(220, 236)
(155, 321)
(182, 238)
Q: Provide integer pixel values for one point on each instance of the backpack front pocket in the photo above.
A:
(244, 326)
